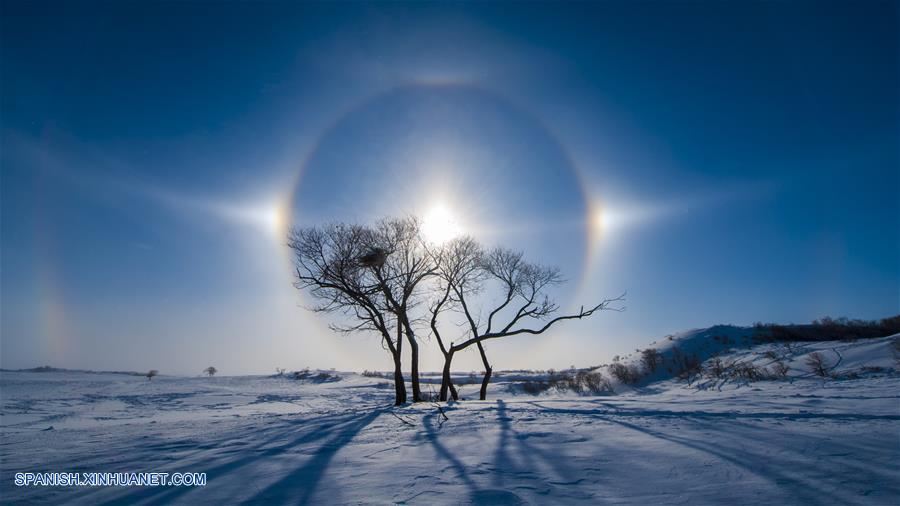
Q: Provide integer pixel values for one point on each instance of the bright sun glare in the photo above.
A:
(440, 225)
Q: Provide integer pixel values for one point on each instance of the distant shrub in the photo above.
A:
(721, 339)
(151, 373)
(828, 329)
(211, 371)
(315, 377)
(595, 382)
(686, 366)
(574, 381)
(554, 379)
(535, 387)
(716, 368)
(571, 382)
(780, 369)
(817, 363)
(651, 359)
(627, 374)
(747, 372)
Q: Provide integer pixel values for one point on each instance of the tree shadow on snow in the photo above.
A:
(743, 450)
(518, 466)
(296, 487)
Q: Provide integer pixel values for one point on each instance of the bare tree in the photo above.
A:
(459, 267)
(211, 371)
(467, 270)
(400, 263)
(373, 276)
(336, 264)
(151, 373)
(376, 278)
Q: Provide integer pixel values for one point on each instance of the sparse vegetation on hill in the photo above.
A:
(315, 376)
(828, 329)
(628, 374)
(712, 357)
(47, 368)
(580, 382)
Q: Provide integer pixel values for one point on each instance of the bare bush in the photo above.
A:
(780, 369)
(747, 372)
(651, 359)
(573, 384)
(535, 387)
(595, 382)
(716, 368)
(686, 367)
(557, 380)
(151, 373)
(817, 364)
(627, 374)
(575, 381)
(316, 376)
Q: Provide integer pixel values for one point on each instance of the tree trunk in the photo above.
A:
(446, 382)
(414, 352)
(487, 372)
(453, 393)
(484, 383)
(399, 385)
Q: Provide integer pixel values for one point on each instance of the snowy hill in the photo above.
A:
(732, 354)
(333, 438)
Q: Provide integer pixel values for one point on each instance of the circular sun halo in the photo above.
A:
(439, 225)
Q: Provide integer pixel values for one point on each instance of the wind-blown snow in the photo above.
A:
(276, 439)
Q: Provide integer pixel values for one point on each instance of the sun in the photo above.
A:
(440, 224)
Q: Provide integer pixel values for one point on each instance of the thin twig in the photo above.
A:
(398, 417)
(443, 417)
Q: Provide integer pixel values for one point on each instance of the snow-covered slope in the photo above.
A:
(693, 355)
(800, 440)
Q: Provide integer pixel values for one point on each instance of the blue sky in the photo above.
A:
(723, 162)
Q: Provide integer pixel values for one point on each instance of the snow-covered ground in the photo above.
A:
(800, 440)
